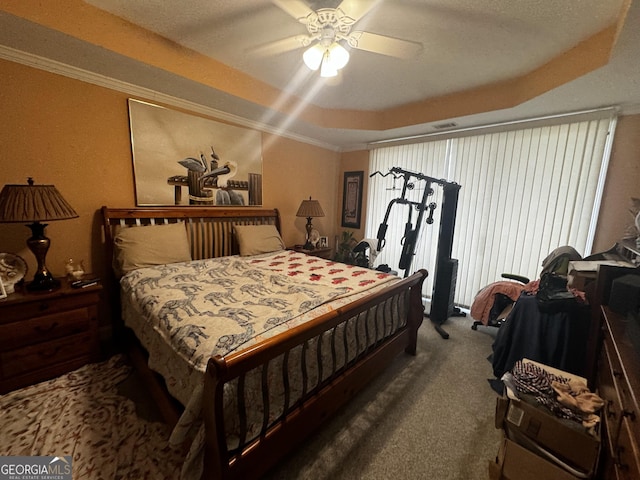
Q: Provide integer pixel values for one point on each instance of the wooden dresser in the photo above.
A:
(617, 375)
(618, 383)
(43, 335)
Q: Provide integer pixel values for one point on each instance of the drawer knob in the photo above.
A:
(50, 353)
(618, 459)
(43, 306)
(40, 329)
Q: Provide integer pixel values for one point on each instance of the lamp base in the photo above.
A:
(43, 282)
(308, 245)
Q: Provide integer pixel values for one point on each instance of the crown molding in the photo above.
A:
(59, 68)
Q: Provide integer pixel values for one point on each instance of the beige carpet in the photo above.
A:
(425, 417)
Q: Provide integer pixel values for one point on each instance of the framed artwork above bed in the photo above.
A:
(185, 159)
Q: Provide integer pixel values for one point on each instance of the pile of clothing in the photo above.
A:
(566, 398)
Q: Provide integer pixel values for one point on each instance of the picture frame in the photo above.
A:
(3, 292)
(323, 242)
(174, 161)
(352, 199)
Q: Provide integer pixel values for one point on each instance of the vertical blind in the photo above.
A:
(524, 192)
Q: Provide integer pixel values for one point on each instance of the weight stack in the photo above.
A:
(444, 290)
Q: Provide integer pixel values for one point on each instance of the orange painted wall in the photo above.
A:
(75, 136)
(296, 172)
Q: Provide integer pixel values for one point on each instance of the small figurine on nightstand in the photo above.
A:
(74, 269)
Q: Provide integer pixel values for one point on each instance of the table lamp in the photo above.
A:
(35, 204)
(310, 209)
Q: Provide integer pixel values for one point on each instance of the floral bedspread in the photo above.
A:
(184, 313)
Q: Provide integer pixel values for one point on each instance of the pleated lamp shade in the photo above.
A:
(310, 208)
(33, 203)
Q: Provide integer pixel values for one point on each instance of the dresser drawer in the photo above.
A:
(610, 394)
(627, 456)
(45, 328)
(47, 305)
(43, 355)
(622, 372)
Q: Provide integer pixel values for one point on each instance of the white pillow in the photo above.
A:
(137, 247)
(256, 239)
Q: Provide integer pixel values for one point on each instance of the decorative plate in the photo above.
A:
(12, 269)
(314, 238)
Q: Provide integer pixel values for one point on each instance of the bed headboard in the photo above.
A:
(209, 229)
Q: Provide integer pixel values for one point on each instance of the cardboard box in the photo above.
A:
(535, 428)
(515, 462)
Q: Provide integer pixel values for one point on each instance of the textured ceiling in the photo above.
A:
(467, 45)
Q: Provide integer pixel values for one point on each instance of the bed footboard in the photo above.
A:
(386, 323)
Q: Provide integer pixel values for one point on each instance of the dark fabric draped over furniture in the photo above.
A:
(556, 339)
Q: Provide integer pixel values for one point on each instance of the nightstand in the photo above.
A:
(43, 335)
(326, 253)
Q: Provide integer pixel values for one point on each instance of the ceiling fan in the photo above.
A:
(329, 31)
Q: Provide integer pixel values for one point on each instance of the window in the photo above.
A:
(524, 191)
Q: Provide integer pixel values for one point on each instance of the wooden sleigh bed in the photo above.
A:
(300, 376)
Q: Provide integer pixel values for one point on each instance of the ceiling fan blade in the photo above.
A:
(394, 47)
(356, 9)
(282, 46)
(296, 8)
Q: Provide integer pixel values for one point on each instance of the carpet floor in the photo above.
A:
(425, 417)
(428, 417)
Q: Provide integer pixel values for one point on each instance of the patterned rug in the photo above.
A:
(82, 414)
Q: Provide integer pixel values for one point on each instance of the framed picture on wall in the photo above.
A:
(352, 199)
(186, 159)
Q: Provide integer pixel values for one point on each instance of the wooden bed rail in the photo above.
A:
(322, 392)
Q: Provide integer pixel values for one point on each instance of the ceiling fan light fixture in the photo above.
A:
(337, 56)
(327, 70)
(327, 55)
(313, 56)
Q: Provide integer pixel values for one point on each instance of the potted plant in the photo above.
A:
(345, 253)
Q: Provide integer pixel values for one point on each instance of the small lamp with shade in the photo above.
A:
(309, 209)
(33, 204)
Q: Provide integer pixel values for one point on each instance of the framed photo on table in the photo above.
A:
(352, 199)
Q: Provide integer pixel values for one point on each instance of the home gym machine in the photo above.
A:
(442, 306)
